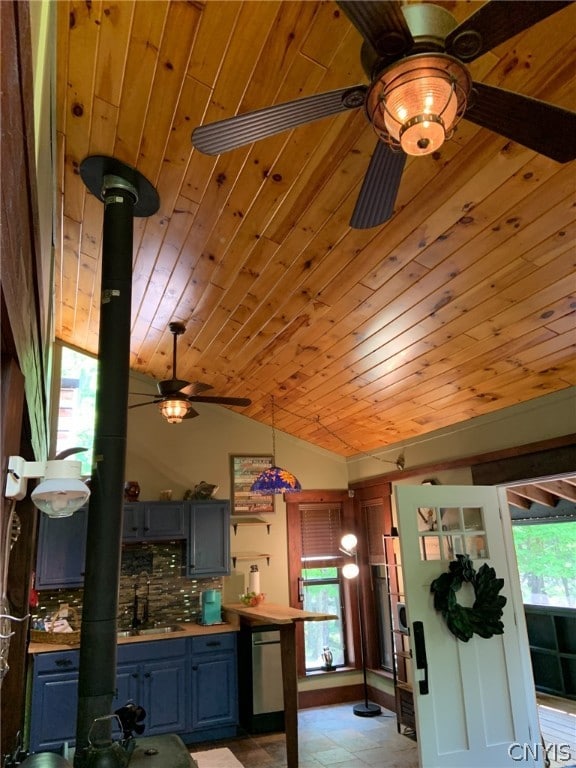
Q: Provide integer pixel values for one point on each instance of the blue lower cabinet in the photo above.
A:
(153, 675)
(214, 687)
(54, 700)
(187, 686)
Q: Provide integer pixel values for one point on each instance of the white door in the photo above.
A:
(480, 709)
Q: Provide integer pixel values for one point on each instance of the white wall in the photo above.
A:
(178, 456)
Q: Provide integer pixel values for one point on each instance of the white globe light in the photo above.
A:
(350, 571)
(349, 542)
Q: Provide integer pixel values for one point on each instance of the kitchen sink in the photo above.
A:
(161, 630)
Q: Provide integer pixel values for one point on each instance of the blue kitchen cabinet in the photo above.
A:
(61, 551)
(214, 687)
(54, 700)
(208, 548)
(154, 521)
(153, 675)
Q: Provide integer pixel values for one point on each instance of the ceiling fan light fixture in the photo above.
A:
(174, 409)
(415, 104)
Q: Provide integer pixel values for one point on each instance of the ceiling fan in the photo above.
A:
(420, 87)
(175, 395)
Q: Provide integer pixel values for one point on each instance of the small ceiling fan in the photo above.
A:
(419, 89)
(175, 395)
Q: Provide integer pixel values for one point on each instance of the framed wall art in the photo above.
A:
(243, 472)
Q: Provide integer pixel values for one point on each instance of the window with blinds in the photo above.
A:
(321, 529)
(374, 515)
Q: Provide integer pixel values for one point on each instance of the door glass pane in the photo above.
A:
(476, 547)
(450, 519)
(430, 548)
(427, 519)
(473, 519)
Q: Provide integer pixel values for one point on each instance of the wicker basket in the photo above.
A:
(59, 638)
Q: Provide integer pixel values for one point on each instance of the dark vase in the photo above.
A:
(131, 490)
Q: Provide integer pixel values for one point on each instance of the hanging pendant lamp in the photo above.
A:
(275, 479)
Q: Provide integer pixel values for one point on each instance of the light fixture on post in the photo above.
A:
(275, 479)
(348, 545)
(174, 409)
(415, 104)
(61, 491)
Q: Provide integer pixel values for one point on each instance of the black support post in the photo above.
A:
(125, 193)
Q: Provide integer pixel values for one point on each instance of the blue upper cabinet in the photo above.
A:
(208, 538)
(61, 550)
(154, 521)
(205, 525)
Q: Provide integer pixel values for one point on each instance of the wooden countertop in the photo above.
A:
(190, 629)
(272, 613)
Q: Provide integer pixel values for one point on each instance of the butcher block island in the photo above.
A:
(284, 618)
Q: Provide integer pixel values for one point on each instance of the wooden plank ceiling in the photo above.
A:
(460, 305)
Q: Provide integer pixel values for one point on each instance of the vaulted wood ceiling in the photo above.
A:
(460, 305)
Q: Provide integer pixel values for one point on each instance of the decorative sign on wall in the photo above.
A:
(243, 472)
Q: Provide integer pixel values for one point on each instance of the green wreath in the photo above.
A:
(484, 616)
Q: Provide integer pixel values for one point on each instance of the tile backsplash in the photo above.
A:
(172, 596)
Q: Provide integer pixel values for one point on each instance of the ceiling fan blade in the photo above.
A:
(494, 23)
(195, 388)
(191, 414)
(220, 400)
(375, 203)
(150, 402)
(381, 24)
(171, 386)
(237, 131)
(535, 124)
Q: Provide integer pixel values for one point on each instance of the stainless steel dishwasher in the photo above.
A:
(267, 690)
(260, 685)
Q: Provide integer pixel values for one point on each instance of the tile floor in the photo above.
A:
(331, 736)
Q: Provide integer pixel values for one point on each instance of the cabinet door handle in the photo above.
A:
(195, 668)
(64, 663)
(213, 643)
(146, 529)
(135, 675)
(147, 674)
(134, 528)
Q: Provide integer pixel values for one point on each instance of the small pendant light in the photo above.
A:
(275, 479)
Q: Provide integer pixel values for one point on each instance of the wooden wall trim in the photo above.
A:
(19, 214)
(324, 697)
(553, 444)
(12, 700)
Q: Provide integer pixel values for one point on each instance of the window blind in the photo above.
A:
(374, 516)
(321, 533)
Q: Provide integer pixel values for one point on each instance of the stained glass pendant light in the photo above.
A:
(275, 479)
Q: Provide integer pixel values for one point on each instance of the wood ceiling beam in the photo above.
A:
(535, 494)
(562, 488)
(516, 500)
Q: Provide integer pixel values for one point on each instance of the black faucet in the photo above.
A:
(136, 620)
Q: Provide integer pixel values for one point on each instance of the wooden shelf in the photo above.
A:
(235, 522)
(251, 556)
